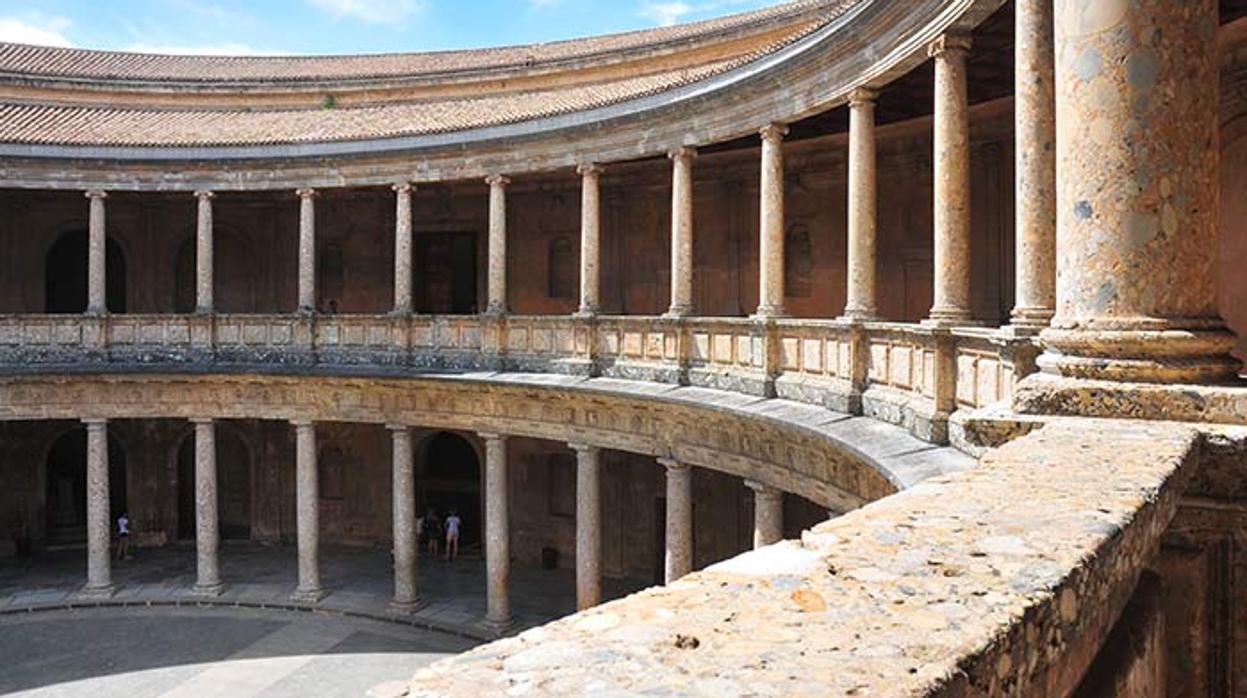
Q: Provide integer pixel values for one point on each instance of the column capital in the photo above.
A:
(763, 489)
(491, 436)
(302, 423)
(589, 169)
(863, 96)
(399, 428)
(683, 151)
(305, 193)
(96, 194)
(202, 420)
(95, 422)
(497, 180)
(951, 42)
(773, 132)
(205, 195)
(583, 447)
(403, 187)
(673, 466)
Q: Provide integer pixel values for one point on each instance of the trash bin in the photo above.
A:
(549, 558)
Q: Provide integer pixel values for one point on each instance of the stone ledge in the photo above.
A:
(1002, 580)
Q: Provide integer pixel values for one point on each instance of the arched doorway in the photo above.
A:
(449, 477)
(65, 275)
(66, 499)
(233, 463)
(234, 287)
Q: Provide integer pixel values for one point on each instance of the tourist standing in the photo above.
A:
(452, 535)
(433, 531)
(123, 537)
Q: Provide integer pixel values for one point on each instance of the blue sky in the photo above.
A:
(334, 26)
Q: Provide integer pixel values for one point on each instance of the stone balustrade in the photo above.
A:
(910, 375)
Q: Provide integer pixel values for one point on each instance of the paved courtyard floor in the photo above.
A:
(203, 653)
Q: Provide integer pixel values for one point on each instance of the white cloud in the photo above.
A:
(223, 49)
(665, 14)
(35, 28)
(543, 4)
(372, 11)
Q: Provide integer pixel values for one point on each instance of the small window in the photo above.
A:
(798, 262)
(561, 267)
(562, 482)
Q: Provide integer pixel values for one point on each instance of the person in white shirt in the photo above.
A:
(123, 537)
(452, 535)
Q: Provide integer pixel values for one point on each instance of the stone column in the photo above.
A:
(402, 248)
(307, 250)
(1137, 196)
(403, 493)
(204, 255)
(861, 303)
(497, 533)
(307, 512)
(768, 514)
(97, 299)
(681, 231)
(207, 533)
(679, 558)
(99, 518)
(590, 233)
(952, 182)
(588, 526)
(771, 223)
(1035, 166)
(497, 281)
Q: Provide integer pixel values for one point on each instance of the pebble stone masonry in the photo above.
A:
(985, 535)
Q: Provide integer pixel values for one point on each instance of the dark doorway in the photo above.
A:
(232, 271)
(660, 541)
(233, 465)
(445, 265)
(450, 478)
(66, 503)
(65, 275)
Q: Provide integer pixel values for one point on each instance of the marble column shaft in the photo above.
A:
(99, 517)
(861, 303)
(307, 511)
(497, 272)
(771, 223)
(97, 300)
(588, 526)
(679, 554)
(403, 493)
(207, 531)
(402, 247)
(590, 235)
(768, 514)
(204, 254)
(1034, 114)
(1138, 194)
(307, 250)
(497, 532)
(952, 181)
(681, 231)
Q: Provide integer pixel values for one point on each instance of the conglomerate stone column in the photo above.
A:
(679, 556)
(402, 247)
(403, 493)
(768, 514)
(862, 304)
(97, 299)
(771, 223)
(590, 234)
(588, 526)
(681, 231)
(99, 518)
(1035, 166)
(204, 284)
(1137, 196)
(952, 181)
(307, 250)
(497, 533)
(497, 273)
(207, 532)
(307, 512)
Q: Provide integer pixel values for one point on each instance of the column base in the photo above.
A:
(406, 608)
(399, 314)
(768, 312)
(947, 319)
(1192, 352)
(678, 311)
(90, 593)
(308, 595)
(859, 316)
(498, 628)
(1031, 318)
(208, 590)
(585, 314)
